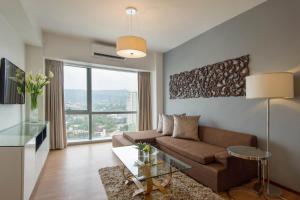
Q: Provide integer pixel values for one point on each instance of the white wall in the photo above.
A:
(35, 64)
(12, 48)
(78, 50)
(157, 89)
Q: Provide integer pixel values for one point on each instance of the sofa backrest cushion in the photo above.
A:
(225, 138)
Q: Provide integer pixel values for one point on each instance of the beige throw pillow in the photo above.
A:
(160, 124)
(186, 127)
(168, 123)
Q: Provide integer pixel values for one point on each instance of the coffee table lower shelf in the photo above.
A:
(151, 184)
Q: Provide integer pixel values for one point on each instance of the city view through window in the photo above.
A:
(99, 102)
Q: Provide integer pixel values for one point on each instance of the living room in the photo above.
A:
(141, 99)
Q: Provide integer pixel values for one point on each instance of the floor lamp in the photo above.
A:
(268, 86)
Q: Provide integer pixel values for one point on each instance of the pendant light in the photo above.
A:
(131, 46)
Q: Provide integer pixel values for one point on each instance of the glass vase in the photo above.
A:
(34, 112)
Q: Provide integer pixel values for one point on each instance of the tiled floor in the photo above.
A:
(72, 174)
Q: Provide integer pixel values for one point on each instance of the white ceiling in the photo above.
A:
(165, 24)
(23, 23)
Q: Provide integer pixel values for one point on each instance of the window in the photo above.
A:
(99, 102)
(75, 85)
(77, 127)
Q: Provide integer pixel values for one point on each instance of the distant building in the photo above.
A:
(131, 105)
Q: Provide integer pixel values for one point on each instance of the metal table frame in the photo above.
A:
(253, 153)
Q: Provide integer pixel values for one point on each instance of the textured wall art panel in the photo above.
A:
(221, 79)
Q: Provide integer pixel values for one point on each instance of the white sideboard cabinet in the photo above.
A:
(23, 151)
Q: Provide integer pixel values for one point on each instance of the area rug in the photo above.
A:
(182, 187)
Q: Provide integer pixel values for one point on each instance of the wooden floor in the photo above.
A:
(72, 174)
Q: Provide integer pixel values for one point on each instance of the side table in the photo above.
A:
(253, 153)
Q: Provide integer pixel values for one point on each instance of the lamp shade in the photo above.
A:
(270, 85)
(131, 46)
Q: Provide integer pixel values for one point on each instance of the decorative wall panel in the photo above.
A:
(221, 79)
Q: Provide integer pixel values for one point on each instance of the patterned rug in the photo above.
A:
(182, 187)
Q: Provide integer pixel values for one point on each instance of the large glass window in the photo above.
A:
(75, 86)
(77, 127)
(113, 90)
(99, 102)
(106, 125)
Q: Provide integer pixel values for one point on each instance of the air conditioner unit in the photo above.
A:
(105, 51)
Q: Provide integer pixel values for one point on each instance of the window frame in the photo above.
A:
(89, 111)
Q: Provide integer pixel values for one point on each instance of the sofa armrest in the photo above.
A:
(230, 161)
(236, 170)
(223, 157)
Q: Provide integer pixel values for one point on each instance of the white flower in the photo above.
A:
(51, 75)
(35, 83)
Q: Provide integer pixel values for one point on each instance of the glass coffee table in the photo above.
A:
(148, 167)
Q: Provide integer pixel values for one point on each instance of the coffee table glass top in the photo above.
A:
(157, 162)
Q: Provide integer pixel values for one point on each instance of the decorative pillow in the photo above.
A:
(160, 124)
(186, 127)
(168, 123)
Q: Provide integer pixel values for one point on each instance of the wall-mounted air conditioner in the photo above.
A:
(105, 51)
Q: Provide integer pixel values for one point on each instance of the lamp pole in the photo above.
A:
(272, 190)
(268, 123)
(268, 137)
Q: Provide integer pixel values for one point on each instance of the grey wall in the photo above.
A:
(270, 33)
(12, 48)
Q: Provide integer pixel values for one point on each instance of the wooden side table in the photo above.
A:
(253, 153)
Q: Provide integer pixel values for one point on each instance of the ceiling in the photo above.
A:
(23, 23)
(165, 24)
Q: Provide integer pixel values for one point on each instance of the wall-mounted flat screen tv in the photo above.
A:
(12, 83)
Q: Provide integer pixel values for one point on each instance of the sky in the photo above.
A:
(75, 78)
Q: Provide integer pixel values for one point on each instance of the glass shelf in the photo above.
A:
(20, 134)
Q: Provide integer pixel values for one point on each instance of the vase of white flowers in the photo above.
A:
(34, 87)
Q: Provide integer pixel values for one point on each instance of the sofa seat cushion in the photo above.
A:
(197, 151)
(142, 136)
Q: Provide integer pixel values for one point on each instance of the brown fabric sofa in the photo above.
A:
(211, 164)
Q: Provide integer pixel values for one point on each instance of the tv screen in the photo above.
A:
(12, 83)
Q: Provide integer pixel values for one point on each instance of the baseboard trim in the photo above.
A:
(89, 142)
(284, 187)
